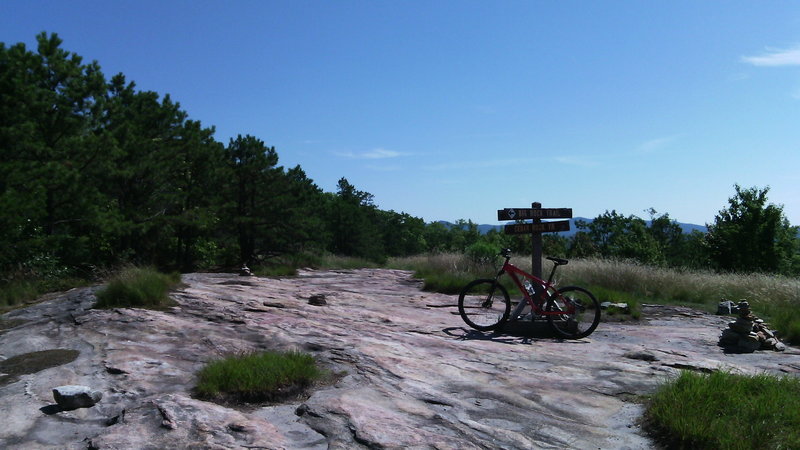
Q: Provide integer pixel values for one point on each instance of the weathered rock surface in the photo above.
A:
(412, 374)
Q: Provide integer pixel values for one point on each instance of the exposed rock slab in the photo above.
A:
(412, 374)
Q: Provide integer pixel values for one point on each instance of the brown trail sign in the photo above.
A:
(544, 227)
(534, 213)
(536, 227)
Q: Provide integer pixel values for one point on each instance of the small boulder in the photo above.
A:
(727, 307)
(623, 307)
(73, 397)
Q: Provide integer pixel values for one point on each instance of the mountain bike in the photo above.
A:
(572, 311)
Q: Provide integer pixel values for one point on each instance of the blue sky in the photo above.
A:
(454, 109)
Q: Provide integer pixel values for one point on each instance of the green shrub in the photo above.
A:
(483, 253)
(257, 377)
(138, 287)
(723, 410)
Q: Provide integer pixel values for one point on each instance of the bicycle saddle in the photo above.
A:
(558, 261)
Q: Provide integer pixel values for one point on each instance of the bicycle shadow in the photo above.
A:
(513, 333)
(465, 334)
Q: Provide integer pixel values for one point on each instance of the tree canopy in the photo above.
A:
(751, 235)
(95, 173)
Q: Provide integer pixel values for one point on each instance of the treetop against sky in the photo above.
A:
(455, 109)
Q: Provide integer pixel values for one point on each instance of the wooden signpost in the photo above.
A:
(535, 227)
(534, 213)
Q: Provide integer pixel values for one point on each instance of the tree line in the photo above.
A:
(96, 173)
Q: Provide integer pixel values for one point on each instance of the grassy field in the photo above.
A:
(288, 265)
(726, 411)
(773, 298)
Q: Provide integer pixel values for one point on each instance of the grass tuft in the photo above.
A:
(257, 377)
(138, 287)
(723, 410)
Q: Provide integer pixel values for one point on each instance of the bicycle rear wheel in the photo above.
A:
(581, 312)
(484, 304)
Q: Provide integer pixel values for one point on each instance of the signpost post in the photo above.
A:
(535, 227)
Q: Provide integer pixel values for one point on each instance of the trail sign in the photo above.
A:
(534, 213)
(543, 227)
(535, 227)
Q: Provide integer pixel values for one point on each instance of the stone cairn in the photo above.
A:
(748, 333)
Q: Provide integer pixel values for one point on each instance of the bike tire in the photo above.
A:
(484, 304)
(586, 315)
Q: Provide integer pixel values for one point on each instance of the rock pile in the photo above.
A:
(748, 333)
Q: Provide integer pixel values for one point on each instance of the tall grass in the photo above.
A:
(16, 292)
(445, 272)
(692, 286)
(774, 298)
(287, 265)
(722, 410)
(138, 287)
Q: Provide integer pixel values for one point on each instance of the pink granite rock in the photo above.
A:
(408, 372)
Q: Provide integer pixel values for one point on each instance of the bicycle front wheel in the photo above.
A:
(581, 312)
(484, 304)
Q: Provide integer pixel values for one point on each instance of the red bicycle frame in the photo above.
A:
(540, 288)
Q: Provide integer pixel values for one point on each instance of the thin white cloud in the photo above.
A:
(482, 164)
(580, 161)
(377, 153)
(383, 168)
(655, 144)
(775, 58)
(739, 76)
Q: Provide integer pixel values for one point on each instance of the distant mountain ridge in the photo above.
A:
(687, 228)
